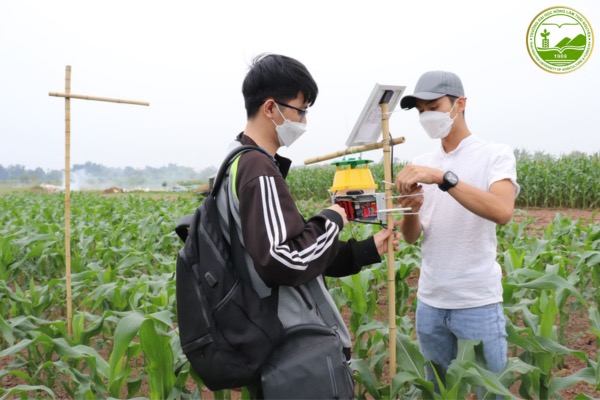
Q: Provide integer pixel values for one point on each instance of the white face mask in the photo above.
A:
(289, 131)
(437, 124)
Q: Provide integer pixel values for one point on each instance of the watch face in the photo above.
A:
(451, 178)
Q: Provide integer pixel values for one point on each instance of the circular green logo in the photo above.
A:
(560, 40)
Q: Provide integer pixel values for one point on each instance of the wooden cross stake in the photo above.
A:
(68, 96)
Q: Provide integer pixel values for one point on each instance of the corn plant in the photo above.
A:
(125, 328)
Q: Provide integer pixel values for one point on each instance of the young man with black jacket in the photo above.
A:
(285, 252)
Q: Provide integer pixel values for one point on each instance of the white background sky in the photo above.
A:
(189, 58)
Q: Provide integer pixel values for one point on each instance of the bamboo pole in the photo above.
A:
(353, 150)
(386, 144)
(387, 172)
(68, 199)
(68, 95)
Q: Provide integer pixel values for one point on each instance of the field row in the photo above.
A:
(125, 342)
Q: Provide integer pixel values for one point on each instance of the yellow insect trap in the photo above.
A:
(353, 189)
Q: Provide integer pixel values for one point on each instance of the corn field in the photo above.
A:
(125, 342)
(571, 181)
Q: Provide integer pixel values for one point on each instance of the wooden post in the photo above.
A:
(97, 98)
(68, 199)
(387, 173)
(353, 150)
(387, 143)
(68, 96)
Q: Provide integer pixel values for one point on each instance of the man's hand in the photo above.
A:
(414, 198)
(339, 210)
(381, 240)
(412, 175)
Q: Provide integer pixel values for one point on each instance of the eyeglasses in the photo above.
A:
(301, 113)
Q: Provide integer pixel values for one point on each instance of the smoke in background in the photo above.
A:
(91, 176)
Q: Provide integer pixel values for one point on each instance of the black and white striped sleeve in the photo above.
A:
(286, 249)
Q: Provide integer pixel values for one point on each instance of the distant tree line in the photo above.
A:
(96, 176)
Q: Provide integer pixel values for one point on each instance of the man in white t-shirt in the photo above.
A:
(458, 192)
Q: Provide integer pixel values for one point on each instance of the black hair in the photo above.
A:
(279, 77)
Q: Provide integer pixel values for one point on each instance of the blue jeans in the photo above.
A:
(438, 331)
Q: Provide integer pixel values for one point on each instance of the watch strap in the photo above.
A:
(446, 184)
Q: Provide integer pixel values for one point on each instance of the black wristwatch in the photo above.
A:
(450, 180)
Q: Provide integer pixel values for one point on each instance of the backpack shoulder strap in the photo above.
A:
(233, 175)
(322, 304)
(226, 162)
(238, 254)
(182, 226)
(235, 159)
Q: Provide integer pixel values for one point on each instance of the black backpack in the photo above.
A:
(226, 330)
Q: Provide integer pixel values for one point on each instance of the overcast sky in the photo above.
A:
(189, 58)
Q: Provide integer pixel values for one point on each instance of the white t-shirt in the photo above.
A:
(459, 267)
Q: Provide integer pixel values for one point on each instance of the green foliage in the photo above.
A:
(571, 181)
(125, 328)
(311, 182)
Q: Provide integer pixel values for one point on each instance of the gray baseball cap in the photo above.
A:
(432, 85)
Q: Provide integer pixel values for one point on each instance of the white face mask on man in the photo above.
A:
(437, 124)
(289, 131)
